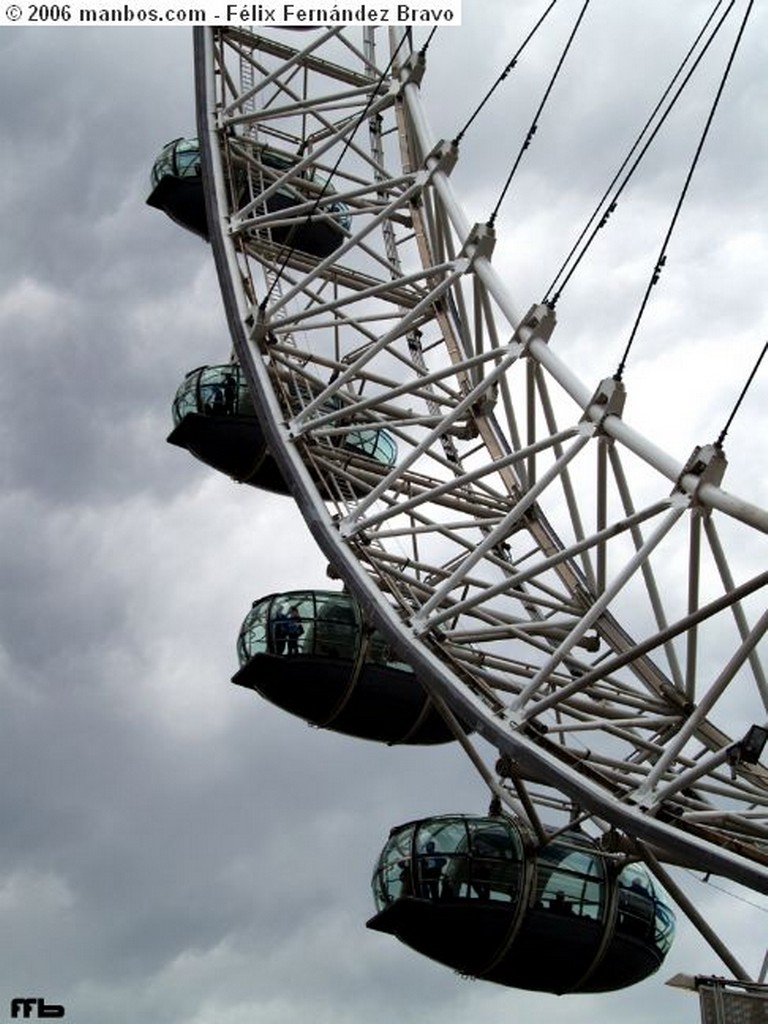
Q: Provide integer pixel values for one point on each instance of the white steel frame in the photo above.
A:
(592, 606)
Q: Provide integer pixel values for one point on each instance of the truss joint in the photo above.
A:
(441, 158)
(608, 400)
(411, 71)
(538, 323)
(480, 242)
(706, 465)
(351, 527)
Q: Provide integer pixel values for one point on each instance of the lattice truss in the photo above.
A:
(589, 604)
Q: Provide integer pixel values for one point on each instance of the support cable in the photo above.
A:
(724, 431)
(662, 258)
(603, 202)
(535, 123)
(425, 47)
(512, 63)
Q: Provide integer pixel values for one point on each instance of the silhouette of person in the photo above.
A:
(214, 405)
(279, 627)
(430, 869)
(230, 394)
(293, 629)
(559, 905)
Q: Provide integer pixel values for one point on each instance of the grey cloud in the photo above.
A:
(174, 849)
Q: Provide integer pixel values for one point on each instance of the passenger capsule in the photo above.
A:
(480, 895)
(308, 218)
(177, 186)
(215, 420)
(319, 227)
(310, 653)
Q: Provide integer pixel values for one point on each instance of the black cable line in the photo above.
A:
(740, 399)
(535, 123)
(643, 151)
(503, 74)
(662, 258)
(610, 207)
(347, 143)
(707, 880)
(425, 47)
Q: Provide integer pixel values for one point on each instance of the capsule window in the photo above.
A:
(376, 444)
(213, 391)
(451, 858)
(178, 159)
(290, 620)
(254, 633)
(440, 854)
(570, 880)
(321, 624)
(392, 878)
(335, 629)
(496, 857)
(641, 911)
(187, 159)
(162, 167)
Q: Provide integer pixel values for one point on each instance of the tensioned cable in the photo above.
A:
(662, 258)
(457, 139)
(610, 207)
(347, 143)
(425, 47)
(734, 895)
(535, 123)
(740, 399)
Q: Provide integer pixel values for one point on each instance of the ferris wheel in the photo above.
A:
(584, 609)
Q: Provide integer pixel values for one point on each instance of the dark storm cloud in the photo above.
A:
(93, 329)
(100, 309)
(173, 849)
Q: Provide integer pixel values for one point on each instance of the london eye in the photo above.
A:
(574, 602)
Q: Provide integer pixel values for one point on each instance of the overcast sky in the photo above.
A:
(175, 850)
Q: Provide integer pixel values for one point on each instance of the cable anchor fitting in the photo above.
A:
(608, 400)
(707, 465)
(657, 270)
(480, 242)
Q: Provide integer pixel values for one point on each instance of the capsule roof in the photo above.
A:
(179, 158)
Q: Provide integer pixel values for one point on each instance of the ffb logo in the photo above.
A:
(35, 1008)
